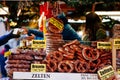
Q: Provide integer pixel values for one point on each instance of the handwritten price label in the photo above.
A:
(117, 42)
(56, 23)
(104, 45)
(38, 44)
(106, 73)
(38, 68)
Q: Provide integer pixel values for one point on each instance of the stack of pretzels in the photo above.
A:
(76, 57)
(54, 38)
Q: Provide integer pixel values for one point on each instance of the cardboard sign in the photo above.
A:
(106, 73)
(56, 23)
(38, 68)
(104, 45)
(116, 42)
(38, 44)
(118, 71)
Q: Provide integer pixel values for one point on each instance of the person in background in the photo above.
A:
(2, 31)
(94, 29)
(9, 41)
(3, 40)
(15, 42)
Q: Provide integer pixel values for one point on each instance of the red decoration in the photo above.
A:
(45, 7)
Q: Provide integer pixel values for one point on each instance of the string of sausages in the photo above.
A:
(22, 60)
(76, 57)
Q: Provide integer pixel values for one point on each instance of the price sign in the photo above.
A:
(56, 23)
(38, 68)
(117, 42)
(118, 71)
(38, 44)
(107, 73)
(104, 45)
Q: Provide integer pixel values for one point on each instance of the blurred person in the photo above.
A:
(2, 31)
(15, 42)
(5, 35)
(3, 40)
(9, 41)
(94, 29)
(3, 28)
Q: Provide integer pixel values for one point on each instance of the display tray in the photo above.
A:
(73, 60)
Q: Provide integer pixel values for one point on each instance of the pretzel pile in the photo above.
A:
(76, 57)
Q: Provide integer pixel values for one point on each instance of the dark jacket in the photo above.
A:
(68, 32)
(5, 38)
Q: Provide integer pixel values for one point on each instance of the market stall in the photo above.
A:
(49, 46)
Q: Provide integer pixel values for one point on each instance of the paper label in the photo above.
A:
(118, 71)
(106, 73)
(116, 42)
(38, 44)
(38, 68)
(56, 23)
(104, 45)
